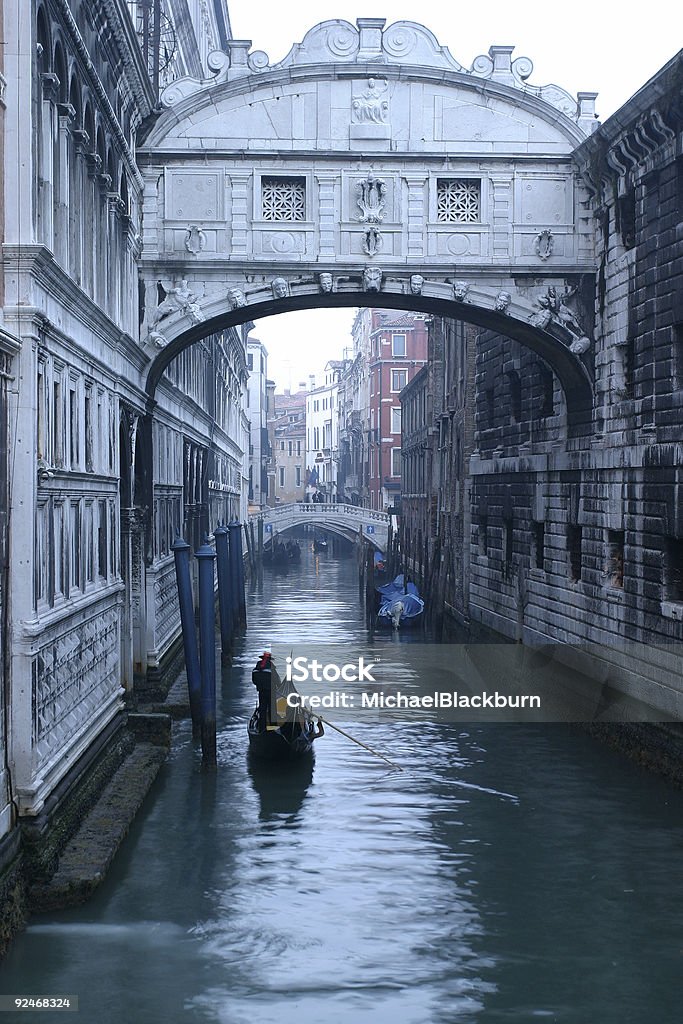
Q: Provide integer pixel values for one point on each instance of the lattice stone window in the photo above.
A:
(283, 199)
(458, 200)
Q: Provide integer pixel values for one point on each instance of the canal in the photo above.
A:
(510, 873)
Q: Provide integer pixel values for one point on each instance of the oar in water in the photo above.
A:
(359, 742)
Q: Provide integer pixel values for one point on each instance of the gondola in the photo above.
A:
(319, 544)
(400, 606)
(277, 732)
(278, 743)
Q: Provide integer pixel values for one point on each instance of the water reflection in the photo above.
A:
(281, 792)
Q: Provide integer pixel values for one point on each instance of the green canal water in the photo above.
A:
(509, 874)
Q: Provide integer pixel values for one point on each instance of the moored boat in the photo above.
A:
(400, 606)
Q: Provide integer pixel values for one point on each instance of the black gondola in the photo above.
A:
(276, 731)
(319, 544)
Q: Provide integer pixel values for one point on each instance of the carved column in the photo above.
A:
(50, 84)
(416, 214)
(61, 197)
(91, 239)
(328, 218)
(240, 213)
(114, 210)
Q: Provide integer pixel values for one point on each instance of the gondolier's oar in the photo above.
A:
(359, 742)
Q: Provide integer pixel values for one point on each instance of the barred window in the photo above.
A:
(283, 199)
(458, 200)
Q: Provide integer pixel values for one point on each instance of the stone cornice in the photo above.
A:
(38, 261)
(638, 132)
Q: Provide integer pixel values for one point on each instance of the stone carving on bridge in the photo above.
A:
(326, 283)
(502, 303)
(555, 308)
(280, 288)
(372, 241)
(179, 299)
(372, 279)
(580, 345)
(369, 41)
(416, 284)
(195, 240)
(544, 244)
(460, 290)
(157, 339)
(371, 199)
(371, 107)
(236, 298)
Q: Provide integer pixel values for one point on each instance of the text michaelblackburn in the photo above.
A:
(449, 699)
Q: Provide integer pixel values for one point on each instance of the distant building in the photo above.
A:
(322, 434)
(288, 432)
(257, 410)
(390, 347)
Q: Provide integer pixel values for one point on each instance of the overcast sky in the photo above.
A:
(587, 45)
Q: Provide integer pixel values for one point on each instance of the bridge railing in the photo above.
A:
(314, 509)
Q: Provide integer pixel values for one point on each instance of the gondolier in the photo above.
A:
(276, 730)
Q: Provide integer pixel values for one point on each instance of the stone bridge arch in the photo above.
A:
(479, 306)
(369, 167)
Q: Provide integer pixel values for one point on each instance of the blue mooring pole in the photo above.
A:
(181, 554)
(235, 574)
(207, 648)
(224, 594)
(242, 591)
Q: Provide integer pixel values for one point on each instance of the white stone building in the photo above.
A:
(322, 434)
(106, 466)
(257, 411)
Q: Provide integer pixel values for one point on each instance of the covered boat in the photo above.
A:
(276, 730)
(400, 605)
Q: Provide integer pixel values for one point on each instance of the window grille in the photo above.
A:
(458, 200)
(284, 199)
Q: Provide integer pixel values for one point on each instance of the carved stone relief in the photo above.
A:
(372, 242)
(460, 290)
(280, 288)
(371, 199)
(371, 107)
(502, 303)
(372, 279)
(555, 308)
(195, 240)
(544, 244)
(179, 299)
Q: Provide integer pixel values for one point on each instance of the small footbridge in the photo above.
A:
(349, 521)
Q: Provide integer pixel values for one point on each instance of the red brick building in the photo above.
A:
(397, 346)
